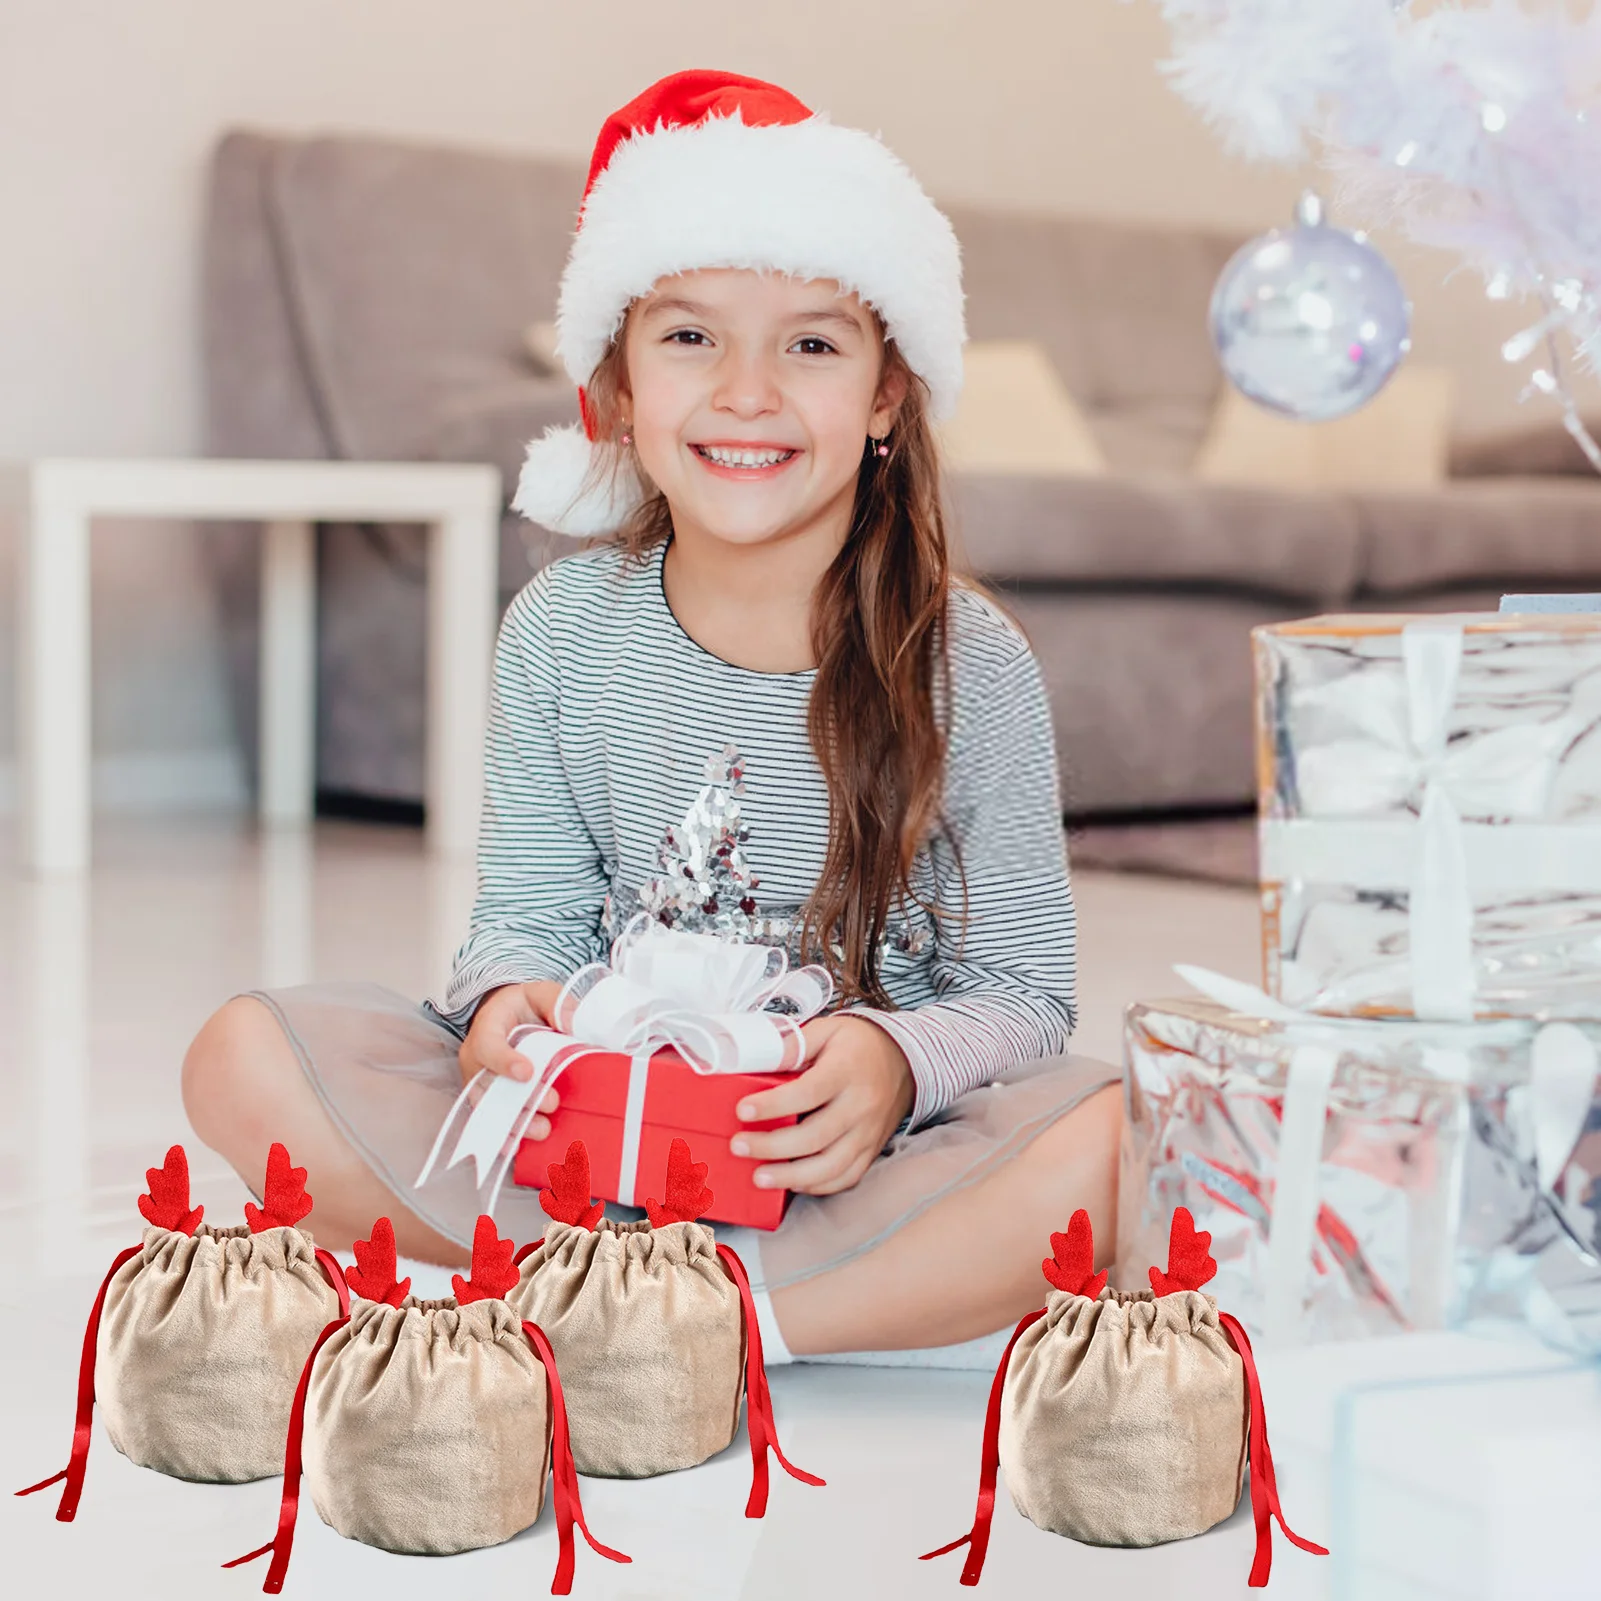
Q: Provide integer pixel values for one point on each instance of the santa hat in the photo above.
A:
(708, 169)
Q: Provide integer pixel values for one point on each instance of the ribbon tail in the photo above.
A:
(770, 1424)
(83, 1423)
(445, 1128)
(977, 1538)
(1265, 1505)
(329, 1263)
(282, 1543)
(1562, 1083)
(759, 1421)
(43, 1484)
(563, 1474)
(250, 1556)
(538, 1087)
(1236, 995)
(756, 1413)
(503, 1163)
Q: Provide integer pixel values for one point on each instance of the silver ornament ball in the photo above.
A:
(1309, 321)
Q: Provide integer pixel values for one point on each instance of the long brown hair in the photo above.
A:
(882, 684)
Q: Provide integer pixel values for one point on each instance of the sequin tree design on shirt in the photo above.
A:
(704, 884)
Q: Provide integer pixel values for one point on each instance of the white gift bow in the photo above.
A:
(1563, 1067)
(1504, 773)
(725, 1007)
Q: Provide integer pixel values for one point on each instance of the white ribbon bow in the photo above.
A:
(1563, 1065)
(1505, 773)
(725, 1007)
(1501, 773)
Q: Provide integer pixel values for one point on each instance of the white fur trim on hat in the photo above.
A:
(558, 490)
(808, 198)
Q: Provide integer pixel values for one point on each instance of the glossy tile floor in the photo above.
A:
(105, 982)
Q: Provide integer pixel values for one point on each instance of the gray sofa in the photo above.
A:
(368, 299)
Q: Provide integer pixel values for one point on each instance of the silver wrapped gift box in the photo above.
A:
(1363, 1177)
(1430, 798)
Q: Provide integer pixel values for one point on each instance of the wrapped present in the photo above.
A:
(662, 1043)
(1477, 1485)
(1435, 1458)
(1430, 796)
(628, 1111)
(1364, 1177)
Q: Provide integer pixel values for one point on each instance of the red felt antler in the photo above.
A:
(373, 1276)
(1071, 1268)
(567, 1200)
(687, 1195)
(167, 1204)
(284, 1198)
(493, 1272)
(1189, 1257)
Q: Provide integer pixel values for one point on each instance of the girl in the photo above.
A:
(764, 314)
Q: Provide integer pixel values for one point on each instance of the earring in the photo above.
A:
(628, 438)
(880, 448)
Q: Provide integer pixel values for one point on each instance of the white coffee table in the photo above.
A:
(56, 500)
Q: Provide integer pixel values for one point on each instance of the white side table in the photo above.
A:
(57, 499)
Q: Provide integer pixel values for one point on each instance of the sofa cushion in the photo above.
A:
(1398, 440)
(1150, 694)
(1542, 447)
(1121, 309)
(413, 274)
(1157, 531)
(1015, 415)
(1153, 436)
(1504, 534)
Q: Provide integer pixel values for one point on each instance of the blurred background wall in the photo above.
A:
(109, 109)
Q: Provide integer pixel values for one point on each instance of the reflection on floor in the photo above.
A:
(104, 982)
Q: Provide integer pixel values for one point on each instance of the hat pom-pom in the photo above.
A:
(565, 488)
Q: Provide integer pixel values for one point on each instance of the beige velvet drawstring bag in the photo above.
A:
(430, 1427)
(654, 1339)
(1125, 1418)
(1141, 1471)
(654, 1326)
(198, 1335)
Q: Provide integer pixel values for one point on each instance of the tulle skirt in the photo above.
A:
(387, 1073)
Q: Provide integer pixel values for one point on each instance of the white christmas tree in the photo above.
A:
(1474, 127)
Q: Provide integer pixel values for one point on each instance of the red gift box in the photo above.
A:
(679, 1103)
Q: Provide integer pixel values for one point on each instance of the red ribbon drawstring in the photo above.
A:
(526, 1252)
(1264, 1485)
(759, 1421)
(329, 1263)
(282, 1543)
(78, 1462)
(563, 1474)
(978, 1537)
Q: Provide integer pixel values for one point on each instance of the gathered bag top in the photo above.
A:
(197, 1335)
(655, 1328)
(430, 1427)
(1127, 1418)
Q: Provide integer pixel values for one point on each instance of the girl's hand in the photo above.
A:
(485, 1049)
(852, 1098)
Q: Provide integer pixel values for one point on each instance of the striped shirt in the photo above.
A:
(603, 717)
